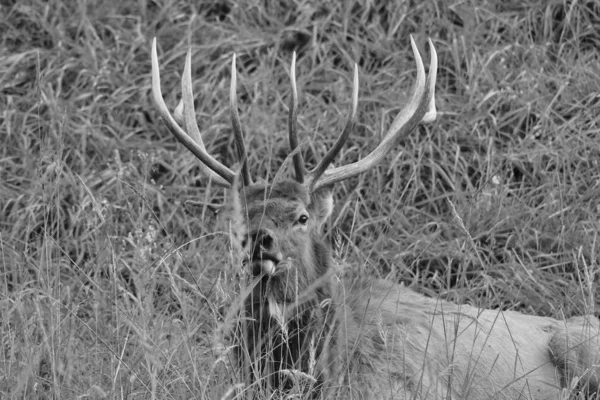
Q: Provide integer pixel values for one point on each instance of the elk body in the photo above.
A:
(304, 327)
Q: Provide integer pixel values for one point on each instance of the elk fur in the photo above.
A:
(310, 329)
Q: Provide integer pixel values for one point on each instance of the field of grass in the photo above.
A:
(115, 262)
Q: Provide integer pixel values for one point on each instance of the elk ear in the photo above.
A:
(237, 217)
(321, 203)
(237, 190)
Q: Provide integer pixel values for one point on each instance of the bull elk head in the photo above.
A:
(298, 318)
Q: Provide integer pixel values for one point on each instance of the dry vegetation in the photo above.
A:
(115, 266)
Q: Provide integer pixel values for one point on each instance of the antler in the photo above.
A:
(292, 124)
(421, 108)
(293, 135)
(237, 126)
(191, 137)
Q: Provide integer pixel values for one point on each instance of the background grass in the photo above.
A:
(115, 272)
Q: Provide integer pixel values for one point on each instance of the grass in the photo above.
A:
(113, 271)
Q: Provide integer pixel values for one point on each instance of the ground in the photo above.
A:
(115, 261)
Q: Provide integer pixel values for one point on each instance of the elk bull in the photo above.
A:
(303, 326)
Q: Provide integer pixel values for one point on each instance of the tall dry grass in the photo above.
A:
(114, 253)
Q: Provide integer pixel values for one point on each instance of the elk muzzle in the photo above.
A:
(264, 254)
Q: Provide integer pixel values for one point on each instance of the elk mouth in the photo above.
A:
(265, 263)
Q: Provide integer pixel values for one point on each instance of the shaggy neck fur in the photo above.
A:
(287, 342)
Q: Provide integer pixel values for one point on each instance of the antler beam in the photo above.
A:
(421, 108)
(190, 137)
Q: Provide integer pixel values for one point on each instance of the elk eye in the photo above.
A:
(303, 219)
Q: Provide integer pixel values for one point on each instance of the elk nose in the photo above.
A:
(263, 241)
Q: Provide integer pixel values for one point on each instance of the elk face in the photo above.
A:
(283, 240)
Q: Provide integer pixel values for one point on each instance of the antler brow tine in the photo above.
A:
(420, 108)
(221, 175)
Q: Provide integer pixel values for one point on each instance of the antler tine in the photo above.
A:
(237, 126)
(339, 143)
(420, 108)
(189, 116)
(293, 123)
(431, 113)
(220, 174)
